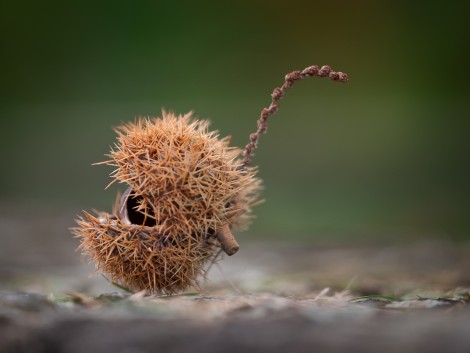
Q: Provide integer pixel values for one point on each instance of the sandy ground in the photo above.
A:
(272, 297)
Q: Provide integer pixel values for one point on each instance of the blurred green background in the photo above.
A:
(386, 155)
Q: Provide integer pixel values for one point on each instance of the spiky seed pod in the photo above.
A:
(141, 257)
(183, 175)
(187, 188)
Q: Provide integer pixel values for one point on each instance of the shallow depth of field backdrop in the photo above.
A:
(385, 156)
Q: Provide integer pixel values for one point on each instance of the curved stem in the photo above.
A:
(278, 93)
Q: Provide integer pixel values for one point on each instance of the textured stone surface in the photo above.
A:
(269, 297)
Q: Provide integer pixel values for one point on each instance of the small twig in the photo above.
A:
(227, 242)
(278, 93)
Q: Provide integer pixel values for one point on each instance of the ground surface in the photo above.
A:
(270, 297)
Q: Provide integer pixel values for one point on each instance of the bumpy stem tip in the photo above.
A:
(277, 94)
(227, 242)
